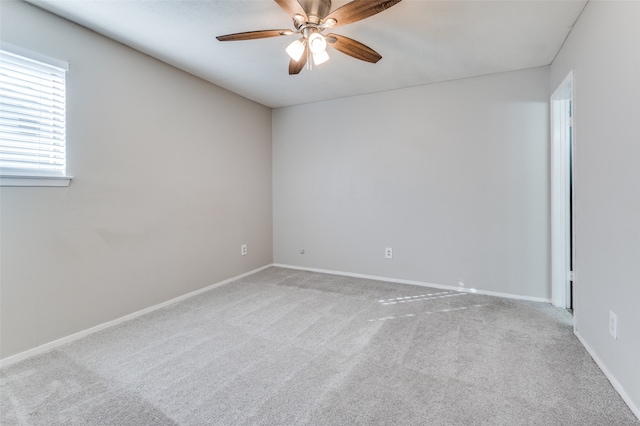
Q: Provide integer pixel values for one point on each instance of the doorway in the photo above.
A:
(562, 194)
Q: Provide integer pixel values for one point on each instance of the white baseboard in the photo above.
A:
(56, 343)
(616, 385)
(419, 283)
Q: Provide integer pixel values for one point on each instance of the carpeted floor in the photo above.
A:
(284, 347)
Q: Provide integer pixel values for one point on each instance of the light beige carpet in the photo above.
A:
(284, 347)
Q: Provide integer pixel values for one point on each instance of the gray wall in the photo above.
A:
(452, 176)
(603, 49)
(169, 182)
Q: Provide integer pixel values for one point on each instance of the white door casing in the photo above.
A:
(562, 135)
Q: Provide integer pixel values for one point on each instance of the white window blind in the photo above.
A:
(32, 117)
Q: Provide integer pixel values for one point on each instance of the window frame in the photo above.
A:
(17, 177)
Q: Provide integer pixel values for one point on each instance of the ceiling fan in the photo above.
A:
(311, 18)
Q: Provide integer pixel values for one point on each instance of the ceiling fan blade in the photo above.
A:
(252, 35)
(296, 67)
(358, 10)
(353, 48)
(293, 8)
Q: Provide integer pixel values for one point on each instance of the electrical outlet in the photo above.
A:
(388, 253)
(613, 325)
(243, 250)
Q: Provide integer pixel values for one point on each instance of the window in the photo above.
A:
(32, 120)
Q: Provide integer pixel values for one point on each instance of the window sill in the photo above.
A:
(35, 180)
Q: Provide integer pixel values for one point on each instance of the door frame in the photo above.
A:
(562, 110)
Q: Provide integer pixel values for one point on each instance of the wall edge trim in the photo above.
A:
(418, 283)
(614, 382)
(10, 360)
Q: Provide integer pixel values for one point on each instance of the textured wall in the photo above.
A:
(452, 176)
(169, 180)
(603, 49)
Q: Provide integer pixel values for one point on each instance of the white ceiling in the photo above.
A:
(421, 42)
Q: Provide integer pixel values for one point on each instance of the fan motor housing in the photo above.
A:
(316, 9)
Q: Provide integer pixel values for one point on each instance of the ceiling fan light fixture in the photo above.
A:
(295, 50)
(317, 44)
(320, 58)
(310, 19)
(329, 23)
